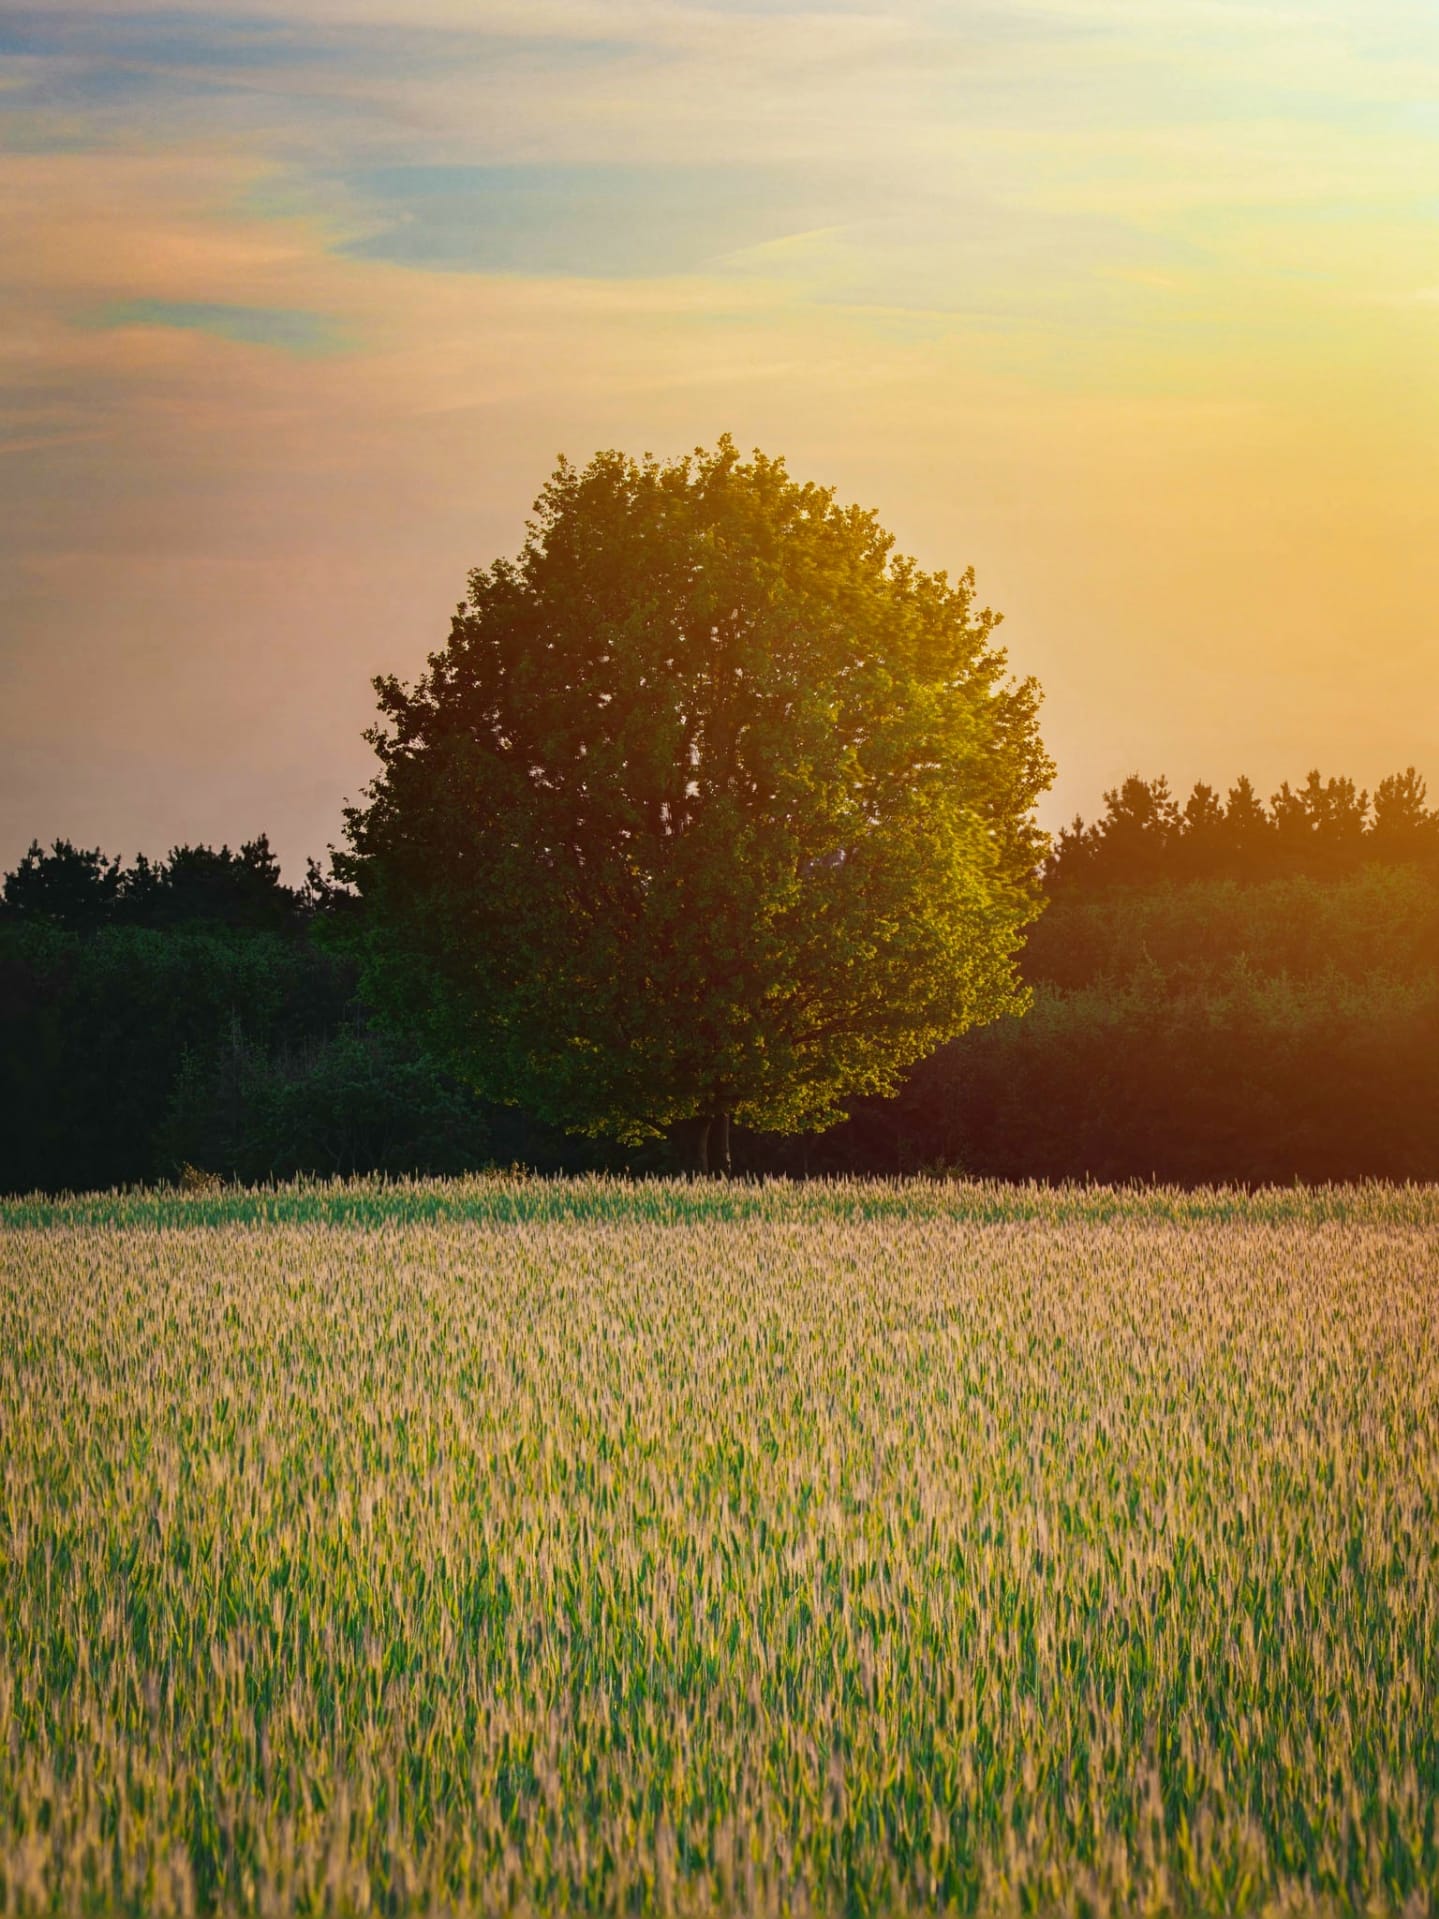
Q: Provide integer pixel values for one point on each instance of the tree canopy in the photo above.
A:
(711, 805)
(83, 889)
(1322, 829)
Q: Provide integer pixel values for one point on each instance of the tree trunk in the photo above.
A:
(704, 1143)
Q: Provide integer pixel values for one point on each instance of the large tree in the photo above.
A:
(711, 806)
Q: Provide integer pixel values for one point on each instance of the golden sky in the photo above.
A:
(1133, 304)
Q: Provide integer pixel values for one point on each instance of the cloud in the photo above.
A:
(597, 221)
(1115, 297)
(291, 329)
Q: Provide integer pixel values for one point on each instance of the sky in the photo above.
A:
(1133, 305)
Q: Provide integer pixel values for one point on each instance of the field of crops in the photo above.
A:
(550, 1547)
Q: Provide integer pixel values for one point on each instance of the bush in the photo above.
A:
(94, 1029)
(347, 1104)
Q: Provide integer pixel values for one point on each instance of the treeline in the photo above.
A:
(1218, 996)
(196, 1012)
(1199, 1032)
(83, 891)
(1322, 830)
(1224, 991)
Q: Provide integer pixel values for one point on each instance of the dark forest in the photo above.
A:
(1225, 989)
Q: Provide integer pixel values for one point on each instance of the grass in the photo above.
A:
(505, 1199)
(522, 1545)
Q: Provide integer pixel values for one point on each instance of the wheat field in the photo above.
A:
(511, 1545)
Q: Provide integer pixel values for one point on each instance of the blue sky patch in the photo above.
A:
(620, 222)
(290, 329)
(162, 39)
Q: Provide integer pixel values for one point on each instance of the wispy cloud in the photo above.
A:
(289, 329)
(608, 221)
(1128, 300)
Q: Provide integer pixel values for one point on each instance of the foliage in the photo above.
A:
(1247, 1079)
(70, 886)
(1220, 1029)
(173, 1013)
(1214, 1031)
(1380, 921)
(83, 890)
(129, 1050)
(95, 1028)
(655, 1548)
(347, 1104)
(710, 804)
(1325, 828)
